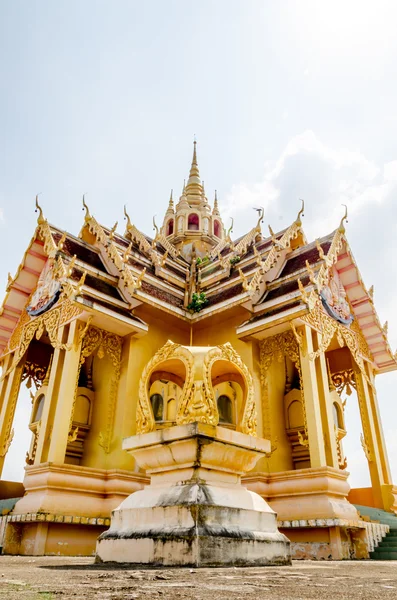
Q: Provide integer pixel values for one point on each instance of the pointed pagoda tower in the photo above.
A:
(192, 226)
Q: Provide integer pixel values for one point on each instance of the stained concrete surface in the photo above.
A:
(59, 578)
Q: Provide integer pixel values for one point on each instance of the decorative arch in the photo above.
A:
(193, 222)
(246, 421)
(217, 228)
(169, 230)
(145, 421)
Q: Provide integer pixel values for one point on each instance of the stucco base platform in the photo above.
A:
(195, 511)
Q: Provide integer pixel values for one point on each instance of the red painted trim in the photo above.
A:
(347, 268)
(6, 329)
(369, 313)
(359, 301)
(12, 309)
(42, 257)
(368, 325)
(31, 271)
(349, 286)
(19, 291)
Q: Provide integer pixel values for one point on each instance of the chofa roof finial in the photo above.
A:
(301, 213)
(344, 218)
(40, 218)
(87, 216)
(127, 217)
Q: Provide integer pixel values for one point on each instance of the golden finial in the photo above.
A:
(10, 281)
(113, 230)
(229, 231)
(258, 256)
(261, 212)
(81, 283)
(127, 218)
(164, 258)
(303, 292)
(371, 292)
(244, 280)
(344, 218)
(171, 202)
(61, 242)
(71, 266)
(311, 273)
(385, 327)
(87, 216)
(301, 213)
(320, 250)
(127, 253)
(40, 218)
(155, 228)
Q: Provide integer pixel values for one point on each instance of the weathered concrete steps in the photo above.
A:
(387, 548)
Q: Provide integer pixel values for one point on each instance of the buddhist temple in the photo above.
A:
(254, 343)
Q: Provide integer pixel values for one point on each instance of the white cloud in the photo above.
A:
(327, 177)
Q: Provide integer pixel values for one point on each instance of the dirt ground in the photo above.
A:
(57, 578)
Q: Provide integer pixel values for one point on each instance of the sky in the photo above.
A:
(287, 100)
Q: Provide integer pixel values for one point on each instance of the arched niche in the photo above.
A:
(337, 410)
(169, 230)
(193, 222)
(168, 374)
(230, 377)
(217, 228)
(165, 389)
(38, 408)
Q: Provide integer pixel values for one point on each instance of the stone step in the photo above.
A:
(376, 514)
(387, 544)
(384, 555)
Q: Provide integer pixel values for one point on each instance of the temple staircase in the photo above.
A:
(387, 547)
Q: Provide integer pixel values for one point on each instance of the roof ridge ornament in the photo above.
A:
(40, 219)
(301, 213)
(261, 212)
(155, 227)
(127, 218)
(87, 215)
(344, 218)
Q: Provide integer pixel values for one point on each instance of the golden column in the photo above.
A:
(327, 417)
(372, 440)
(60, 396)
(9, 390)
(65, 397)
(312, 400)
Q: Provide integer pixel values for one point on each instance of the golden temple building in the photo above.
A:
(100, 325)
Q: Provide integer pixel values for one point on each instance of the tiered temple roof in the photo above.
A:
(269, 278)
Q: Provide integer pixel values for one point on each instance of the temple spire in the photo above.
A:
(170, 209)
(216, 207)
(193, 185)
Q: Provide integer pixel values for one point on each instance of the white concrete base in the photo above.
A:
(207, 518)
